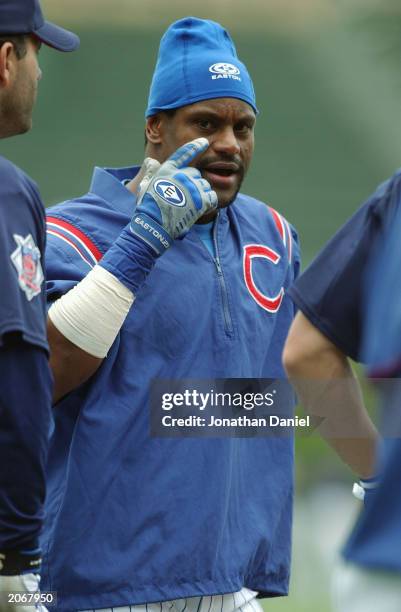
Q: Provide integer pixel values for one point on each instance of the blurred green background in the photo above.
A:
(328, 83)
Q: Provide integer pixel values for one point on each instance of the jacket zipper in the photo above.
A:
(228, 325)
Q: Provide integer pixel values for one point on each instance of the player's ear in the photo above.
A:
(7, 62)
(154, 129)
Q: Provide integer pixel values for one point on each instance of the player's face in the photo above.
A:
(228, 124)
(21, 96)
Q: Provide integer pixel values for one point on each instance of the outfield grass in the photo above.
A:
(288, 604)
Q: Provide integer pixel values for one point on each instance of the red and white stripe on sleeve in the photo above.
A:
(284, 230)
(75, 239)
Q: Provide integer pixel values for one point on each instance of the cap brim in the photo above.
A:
(56, 37)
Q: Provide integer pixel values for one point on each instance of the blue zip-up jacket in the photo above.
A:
(134, 519)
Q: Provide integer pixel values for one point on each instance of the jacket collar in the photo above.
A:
(107, 184)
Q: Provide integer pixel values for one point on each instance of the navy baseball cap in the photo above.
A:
(26, 17)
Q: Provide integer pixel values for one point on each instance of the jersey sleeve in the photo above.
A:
(382, 296)
(25, 416)
(22, 242)
(70, 255)
(330, 291)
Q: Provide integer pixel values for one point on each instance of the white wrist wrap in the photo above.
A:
(91, 314)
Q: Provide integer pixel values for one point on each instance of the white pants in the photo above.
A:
(21, 584)
(357, 589)
(242, 601)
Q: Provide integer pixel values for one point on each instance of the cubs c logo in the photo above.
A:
(251, 251)
(169, 192)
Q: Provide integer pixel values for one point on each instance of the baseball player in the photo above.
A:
(184, 524)
(370, 577)
(25, 379)
(331, 296)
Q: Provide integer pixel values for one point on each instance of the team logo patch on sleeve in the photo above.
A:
(26, 259)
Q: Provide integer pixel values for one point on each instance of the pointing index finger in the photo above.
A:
(185, 154)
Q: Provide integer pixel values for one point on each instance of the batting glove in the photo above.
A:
(148, 169)
(174, 199)
(169, 202)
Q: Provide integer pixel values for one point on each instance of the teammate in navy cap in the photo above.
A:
(25, 379)
(25, 17)
(201, 525)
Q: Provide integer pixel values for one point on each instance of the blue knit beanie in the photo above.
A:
(197, 61)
